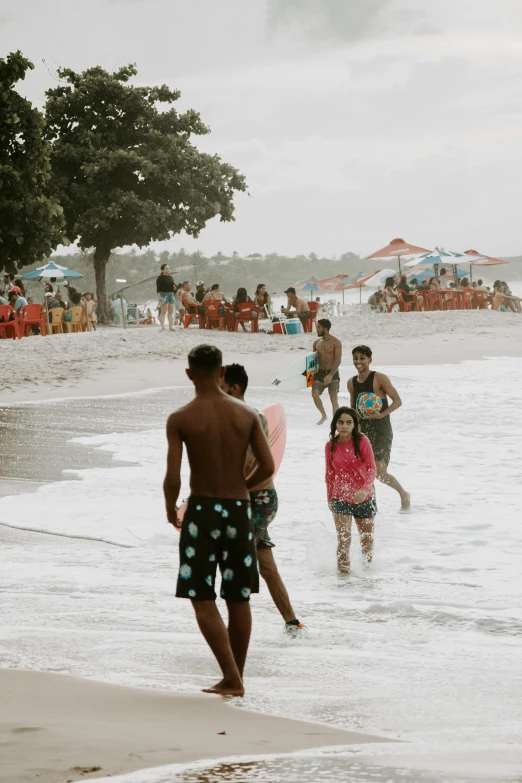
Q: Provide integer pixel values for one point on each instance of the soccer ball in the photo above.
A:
(368, 403)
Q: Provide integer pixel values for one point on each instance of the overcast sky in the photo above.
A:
(354, 121)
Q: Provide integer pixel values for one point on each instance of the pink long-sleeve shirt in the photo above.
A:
(346, 473)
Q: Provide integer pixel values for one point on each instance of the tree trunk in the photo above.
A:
(101, 257)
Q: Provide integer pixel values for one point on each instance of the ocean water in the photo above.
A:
(423, 647)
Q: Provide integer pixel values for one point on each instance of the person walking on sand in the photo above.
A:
(165, 289)
(377, 426)
(264, 502)
(350, 475)
(330, 352)
(217, 528)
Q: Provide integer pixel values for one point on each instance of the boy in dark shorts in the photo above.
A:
(264, 509)
(217, 528)
(377, 426)
(330, 350)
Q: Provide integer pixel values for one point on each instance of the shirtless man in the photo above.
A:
(264, 509)
(217, 527)
(377, 426)
(297, 307)
(330, 352)
(190, 303)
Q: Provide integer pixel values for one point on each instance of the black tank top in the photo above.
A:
(372, 428)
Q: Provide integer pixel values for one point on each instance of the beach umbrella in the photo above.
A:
(47, 271)
(307, 285)
(51, 270)
(424, 273)
(437, 258)
(336, 283)
(377, 279)
(478, 259)
(397, 248)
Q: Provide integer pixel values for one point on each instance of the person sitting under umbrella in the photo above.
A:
(297, 307)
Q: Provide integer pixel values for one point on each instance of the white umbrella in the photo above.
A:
(379, 278)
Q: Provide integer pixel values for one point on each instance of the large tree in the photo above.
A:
(31, 222)
(124, 168)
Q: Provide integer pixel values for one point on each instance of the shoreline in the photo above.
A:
(110, 362)
(55, 727)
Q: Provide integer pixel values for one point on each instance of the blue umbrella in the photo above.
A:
(51, 270)
(437, 258)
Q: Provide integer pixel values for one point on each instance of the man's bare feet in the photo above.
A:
(322, 420)
(405, 501)
(227, 688)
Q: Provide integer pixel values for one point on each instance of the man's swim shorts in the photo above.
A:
(217, 533)
(319, 384)
(264, 509)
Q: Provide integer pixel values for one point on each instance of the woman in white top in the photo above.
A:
(391, 291)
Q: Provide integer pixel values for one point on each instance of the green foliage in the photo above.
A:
(30, 221)
(124, 168)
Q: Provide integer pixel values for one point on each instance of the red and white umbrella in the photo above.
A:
(398, 248)
(479, 259)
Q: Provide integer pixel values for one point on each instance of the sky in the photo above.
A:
(354, 121)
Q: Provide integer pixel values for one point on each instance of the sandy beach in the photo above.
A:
(115, 361)
(56, 728)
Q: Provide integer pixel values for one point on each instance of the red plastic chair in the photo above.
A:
(314, 308)
(392, 305)
(248, 311)
(189, 317)
(9, 327)
(404, 306)
(467, 295)
(481, 300)
(213, 316)
(32, 315)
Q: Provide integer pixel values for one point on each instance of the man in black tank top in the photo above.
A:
(377, 426)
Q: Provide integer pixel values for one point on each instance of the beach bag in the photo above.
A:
(67, 316)
(221, 311)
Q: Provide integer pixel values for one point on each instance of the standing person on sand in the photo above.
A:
(264, 502)
(330, 352)
(165, 289)
(377, 426)
(350, 475)
(217, 527)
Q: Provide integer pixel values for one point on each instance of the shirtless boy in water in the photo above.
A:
(377, 426)
(330, 352)
(217, 528)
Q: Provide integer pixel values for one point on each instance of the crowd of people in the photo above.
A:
(397, 290)
(13, 293)
(176, 300)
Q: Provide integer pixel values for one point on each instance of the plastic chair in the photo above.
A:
(55, 320)
(32, 315)
(76, 323)
(9, 327)
(314, 309)
(467, 296)
(404, 306)
(213, 316)
(392, 305)
(481, 300)
(189, 317)
(248, 311)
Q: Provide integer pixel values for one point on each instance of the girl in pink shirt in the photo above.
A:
(350, 474)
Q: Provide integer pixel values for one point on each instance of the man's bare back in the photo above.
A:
(217, 433)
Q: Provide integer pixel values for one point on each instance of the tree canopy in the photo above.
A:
(124, 168)
(31, 221)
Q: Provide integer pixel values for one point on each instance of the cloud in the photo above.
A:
(342, 20)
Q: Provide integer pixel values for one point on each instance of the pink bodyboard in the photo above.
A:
(276, 420)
